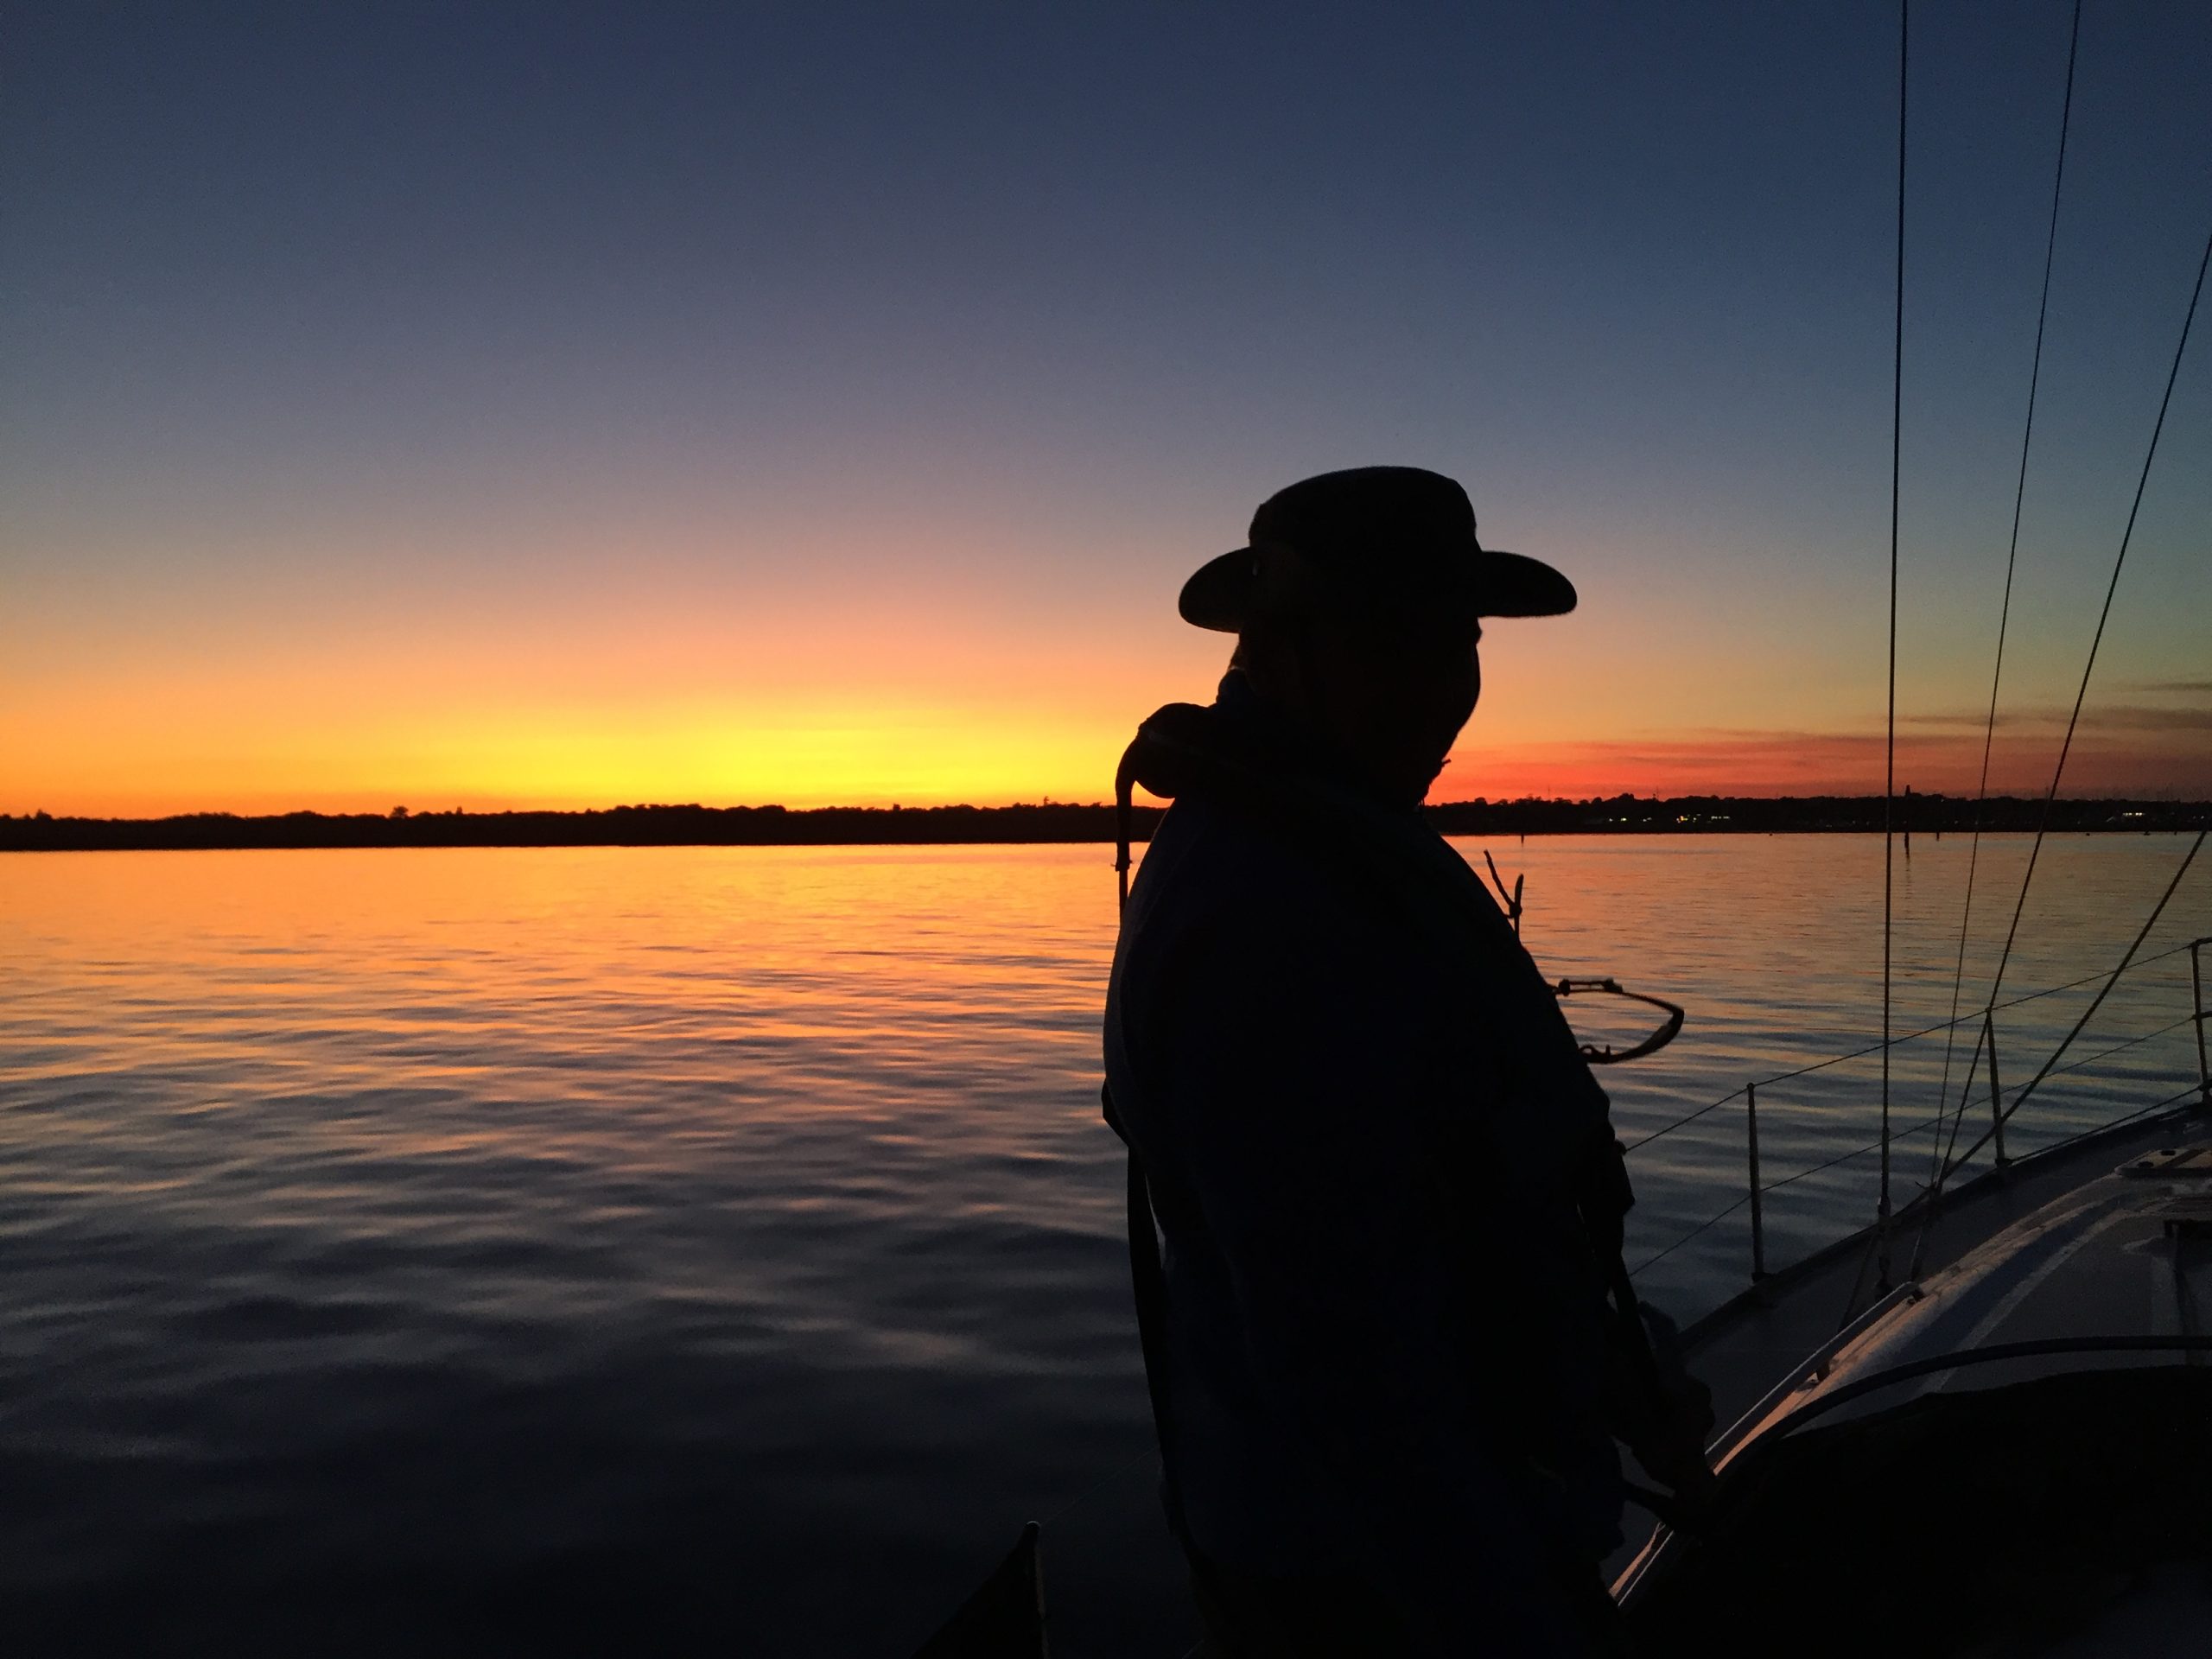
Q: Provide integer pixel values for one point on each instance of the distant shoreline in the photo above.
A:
(1050, 823)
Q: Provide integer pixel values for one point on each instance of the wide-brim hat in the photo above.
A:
(1396, 535)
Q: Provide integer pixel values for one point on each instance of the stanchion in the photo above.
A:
(1759, 1204)
(2197, 1010)
(1996, 1092)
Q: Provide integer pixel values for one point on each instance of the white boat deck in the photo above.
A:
(1115, 1582)
(1743, 1348)
(1992, 1415)
(1746, 1347)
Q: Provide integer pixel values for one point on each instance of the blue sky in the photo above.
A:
(490, 349)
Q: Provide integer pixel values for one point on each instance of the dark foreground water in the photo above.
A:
(578, 1251)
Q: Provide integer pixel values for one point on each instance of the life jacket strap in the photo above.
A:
(1148, 1278)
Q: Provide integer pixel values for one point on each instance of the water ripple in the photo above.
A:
(590, 1249)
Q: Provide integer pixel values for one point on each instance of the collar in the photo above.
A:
(1287, 744)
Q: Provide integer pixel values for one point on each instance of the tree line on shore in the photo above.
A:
(696, 825)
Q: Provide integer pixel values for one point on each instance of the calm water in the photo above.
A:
(474, 1249)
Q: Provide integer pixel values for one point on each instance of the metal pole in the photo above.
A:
(1759, 1204)
(1890, 742)
(1996, 1092)
(2197, 1008)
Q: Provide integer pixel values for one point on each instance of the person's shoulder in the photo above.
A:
(1219, 880)
(1208, 855)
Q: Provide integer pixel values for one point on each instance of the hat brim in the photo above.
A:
(1218, 595)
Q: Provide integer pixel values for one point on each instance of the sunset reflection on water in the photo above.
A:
(626, 1207)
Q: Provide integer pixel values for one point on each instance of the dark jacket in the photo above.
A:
(1360, 1114)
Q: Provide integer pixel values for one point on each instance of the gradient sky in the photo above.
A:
(531, 404)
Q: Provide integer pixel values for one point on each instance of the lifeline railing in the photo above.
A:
(1755, 1188)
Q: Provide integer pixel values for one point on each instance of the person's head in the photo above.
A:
(1387, 686)
(1357, 607)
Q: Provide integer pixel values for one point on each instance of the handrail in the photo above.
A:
(1995, 1354)
(1605, 1053)
(1757, 1189)
(1971, 1017)
(2133, 1042)
(2197, 1016)
(1720, 1215)
(2020, 1098)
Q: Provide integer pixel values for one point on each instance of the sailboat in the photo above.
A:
(1980, 1425)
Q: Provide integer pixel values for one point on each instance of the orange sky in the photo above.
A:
(531, 420)
(623, 682)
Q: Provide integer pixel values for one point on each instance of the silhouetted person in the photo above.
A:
(1381, 1353)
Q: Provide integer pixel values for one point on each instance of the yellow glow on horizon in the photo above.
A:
(799, 753)
(844, 750)
(916, 697)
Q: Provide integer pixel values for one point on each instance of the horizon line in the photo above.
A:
(403, 812)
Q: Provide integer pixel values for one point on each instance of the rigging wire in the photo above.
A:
(2096, 638)
(1889, 744)
(2005, 606)
(1861, 1054)
(1936, 1123)
(2088, 1014)
(2122, 1046)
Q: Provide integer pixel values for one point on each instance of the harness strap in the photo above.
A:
(1149, 1277)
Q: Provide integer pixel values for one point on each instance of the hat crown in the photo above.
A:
(1396, 510)
(1399, 537)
